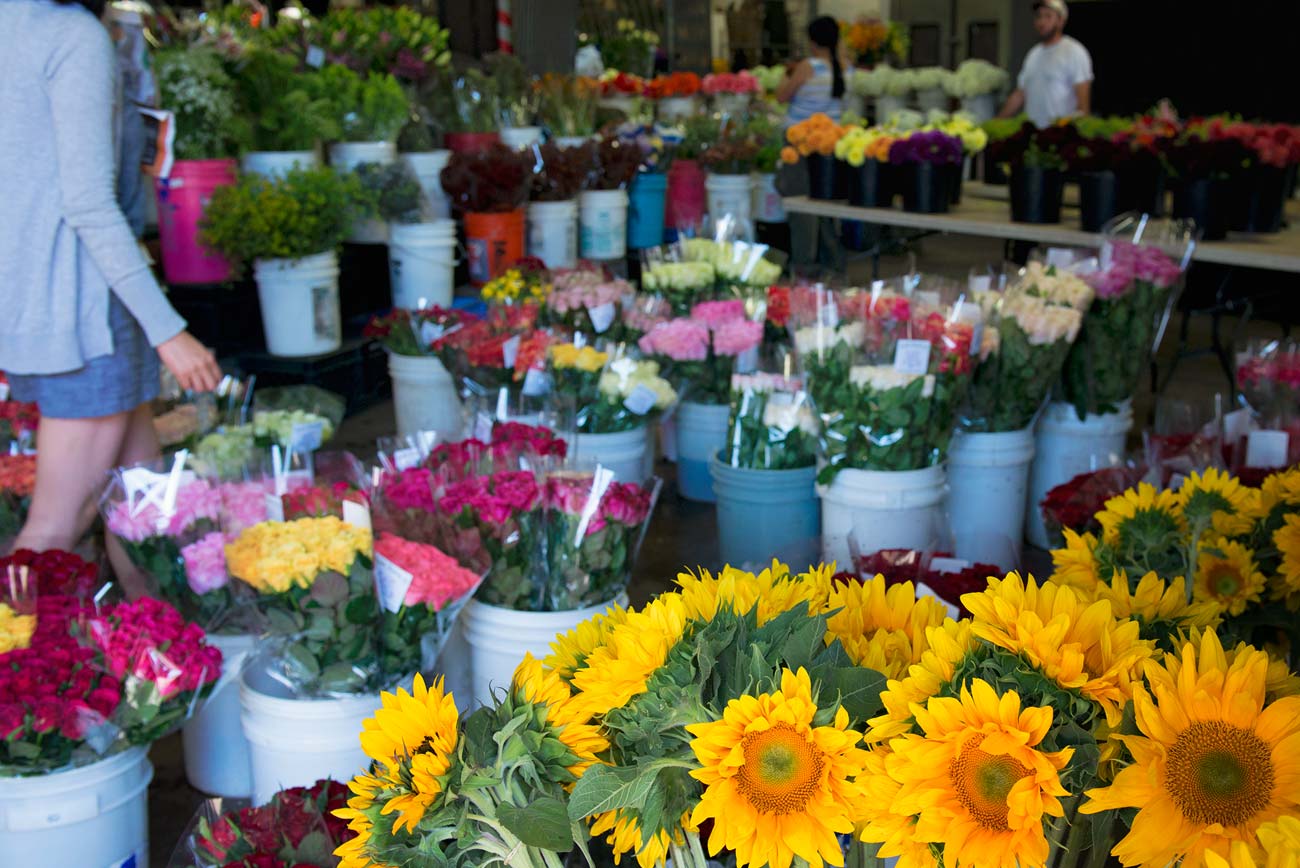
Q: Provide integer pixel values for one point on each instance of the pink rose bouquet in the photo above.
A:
(493, 524)
(594, 529)
(731, 82)
(701, 352)
(587, 302)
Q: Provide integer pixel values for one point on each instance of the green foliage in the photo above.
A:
(1010, 385)
(288, 110)
(1110, 355)
(306, 212)
(369, 109)
(396, 40)
(194, 85)
(1004, 128)
(395, 191)
(515, 92)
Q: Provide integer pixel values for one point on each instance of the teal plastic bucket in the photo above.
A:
(765, 514)
(645, 212)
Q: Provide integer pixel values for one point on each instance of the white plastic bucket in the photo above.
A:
(932, 99)
(701, 432)
(346, 156)
(1067, 447)
(732, 195)
(888, 106)
(96, 815)
(768, 207)
(881, 509)
(296, 742)
(988, 479)
(424, 396)
(422, 264)
(499, 638)
(731, 103)
(604, 224)
(672, 110)
(520, 137)
(627, 453)
(553, 232)
(427, 167)
(981, 107)
(300, 304)
(216, 754)
(276, 164)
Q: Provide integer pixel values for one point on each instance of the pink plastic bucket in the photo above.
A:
(181, 200)
(685, 203)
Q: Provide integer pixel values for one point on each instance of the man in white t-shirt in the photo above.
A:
(1056, 78)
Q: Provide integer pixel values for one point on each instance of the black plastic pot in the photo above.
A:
(1143, 190)
(992, 172)
(1258, 200)
(1036, 195)
(866, 185)
(1291, 174)
(821, 177)
(925, 188)
(1099, 199)
(1204, 201)
(955, 171)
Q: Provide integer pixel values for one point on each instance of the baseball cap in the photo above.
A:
(1057, 6)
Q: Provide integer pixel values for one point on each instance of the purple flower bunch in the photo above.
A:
(930, 146)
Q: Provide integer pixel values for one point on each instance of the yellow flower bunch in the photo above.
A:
(586, 358)
(513, 287)
(860, 144)
(15, 630)
(817, 135)
(274, 556)
(961, 126)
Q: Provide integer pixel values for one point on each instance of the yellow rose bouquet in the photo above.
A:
(313, 578)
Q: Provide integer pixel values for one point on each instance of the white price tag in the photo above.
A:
(1107, 255)
(483, 427)
(510, 351)
(306, 437)
(980, 283)
(602, 317)
(1237, 425)
(274, 508)
(356, 514)
(405, 459)
(1267, 448)
(641, 400)
(536, 383)
(948, 565)
(912, 356)
(747, 362)
(976, 337)
(391, 583)
(4, 391)
(1059, 257)
(924, 590)
(315, 56)
(430, 332)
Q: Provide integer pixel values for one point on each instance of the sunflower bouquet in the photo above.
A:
(315, 588)
(1027, 334)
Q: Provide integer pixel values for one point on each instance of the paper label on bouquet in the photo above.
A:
(430, 332)
(1059, 257)
(535, 383)
(483, 427)
(1236, 425)
(976, 337)
(306, 436)
(927, 297)
(641, 400)
(510, 351)
(912, 356)
(602, 317)
(405, 459)
(391, 584)
(949, 565)
(274, 508)
(980, 283)
(1267, 448)
(356, 514)
(315, 56)
(1107, 255)
(4, 391)
(924, 590)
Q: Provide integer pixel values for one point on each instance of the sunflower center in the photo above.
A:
(982, 782)
(1219, 773)
(782, 770)
(1225, 581)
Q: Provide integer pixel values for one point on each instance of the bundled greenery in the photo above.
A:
(306, 212)
(568, 105)
(386, 40)
(395, 190)
(468, 103)
(516, 92)
(195, 86)
(288, 110)
(369, 109)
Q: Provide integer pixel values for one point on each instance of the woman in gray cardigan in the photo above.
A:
(83, 323)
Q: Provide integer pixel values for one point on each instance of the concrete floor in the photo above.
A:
(682, 533)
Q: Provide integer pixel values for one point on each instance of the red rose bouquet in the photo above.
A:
(416, 332)
(296, 829)
(56, 573)
(678, 84)
(1075, 504)
(18, 421)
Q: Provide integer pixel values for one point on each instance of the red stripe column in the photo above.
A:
(505, 28)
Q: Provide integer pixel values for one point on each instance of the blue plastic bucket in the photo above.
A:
(645, 212)
(765, 514)
(701, 432)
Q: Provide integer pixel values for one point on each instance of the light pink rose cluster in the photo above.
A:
(682, 340)
(734, 338)
(717, 313)
(1150, 264)
(731, 82)
(563, 301)
(194, 501)
(625, 503)
(205, 563)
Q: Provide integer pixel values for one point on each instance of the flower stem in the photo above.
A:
(693, 839)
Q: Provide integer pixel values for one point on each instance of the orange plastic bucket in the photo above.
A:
(493, 242)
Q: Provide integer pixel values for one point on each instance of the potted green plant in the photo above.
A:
(208, 133)
(568, 108)
(290, 113)
(466, 108)
(371, 110)
(290, 229)
(516, 99)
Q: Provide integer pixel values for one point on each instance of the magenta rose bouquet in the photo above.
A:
(493, 524)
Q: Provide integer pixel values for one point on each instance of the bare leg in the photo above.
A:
(71, 459)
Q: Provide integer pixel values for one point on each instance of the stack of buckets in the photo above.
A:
(422, 263)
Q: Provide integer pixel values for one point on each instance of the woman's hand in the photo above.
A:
(191, 363)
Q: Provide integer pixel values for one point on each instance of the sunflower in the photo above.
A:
(625, 836)
(1077, 643)
(776, 786)
(1226, 575)
(352, 852)
(413, 739)
(774, 591)
(569, 651)
(948, 644)
(1278, 682)
(621, 667)
(1216, 498)
(545, 688)
(974, 782)
(1139, 510)
(1075, 565)
(1279, 489)
(1287, 540)
(1161, 608)
(1214, 760)
(881, 628)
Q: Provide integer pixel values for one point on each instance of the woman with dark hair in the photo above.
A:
(816, 84)
(85, 322)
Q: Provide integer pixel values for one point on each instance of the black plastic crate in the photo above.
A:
(358, 371)
(225, 317)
